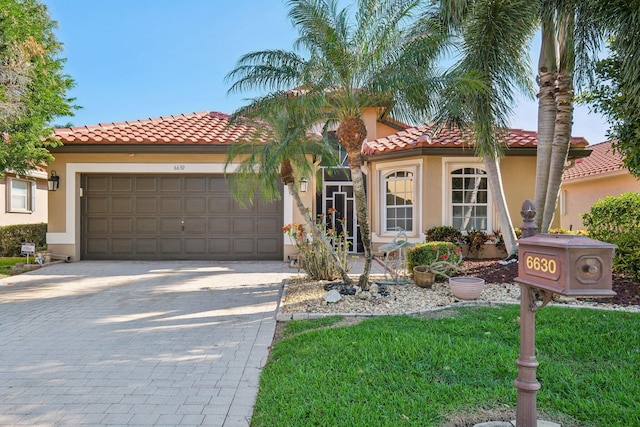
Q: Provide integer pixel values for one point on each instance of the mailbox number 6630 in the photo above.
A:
(544, 265)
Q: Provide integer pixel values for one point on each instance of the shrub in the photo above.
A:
(476, 240)
(443, 233)
(616, 220)
(427, 253)
(315, 259)
(13, 236)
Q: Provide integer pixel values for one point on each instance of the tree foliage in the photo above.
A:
(616, 91)
(33, 86)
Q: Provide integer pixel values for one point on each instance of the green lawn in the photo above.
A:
(405, 371)
(6, 264)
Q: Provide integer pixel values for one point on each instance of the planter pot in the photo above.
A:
(466, 287)
(422, 277)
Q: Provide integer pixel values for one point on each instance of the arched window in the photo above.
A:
(398, 187)
(469, 199)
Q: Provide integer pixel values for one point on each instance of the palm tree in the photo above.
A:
(570, 36)
(349, 62)
(280, 148)
(493, 38)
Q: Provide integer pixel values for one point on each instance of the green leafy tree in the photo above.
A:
(616, 91)
(377, 56)
(33, 87)
(281, 150)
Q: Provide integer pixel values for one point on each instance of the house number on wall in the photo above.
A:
(179, 167)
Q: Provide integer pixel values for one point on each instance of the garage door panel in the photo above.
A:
(171, 246)
(146, 205)
(98, 225)
(195, 205)
(171, 184)
(146, 246)
(197, 184)
(98, 184)
(195, 246)
(267, 225)
(121, 184)
(269, 246)
(243, 246)
(122, 246)
(121, 225)
(146, 184)
(182, 216)
(170, 205)
(244, 226)
(196, 225)
(219, 246)
(220, 205)
(98, 205)
(121, 205)
(98, 246)
(220, 225)
(145, 225)
(170, 225)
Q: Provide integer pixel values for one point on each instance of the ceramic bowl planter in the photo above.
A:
(466, 287)
(422, 277)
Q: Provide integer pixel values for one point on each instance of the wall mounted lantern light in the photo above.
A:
(304, 184)
(53, 182)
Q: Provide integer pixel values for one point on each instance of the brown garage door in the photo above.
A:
(156, 217)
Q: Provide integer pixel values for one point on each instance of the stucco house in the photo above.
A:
(590, 179)
(24, 198)
(156, 189)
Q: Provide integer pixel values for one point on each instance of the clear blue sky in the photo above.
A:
(137, 59)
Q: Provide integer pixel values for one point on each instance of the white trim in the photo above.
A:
(451, 163)
(72, 187)
(385, 168)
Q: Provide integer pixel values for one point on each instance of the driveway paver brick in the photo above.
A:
(136, 343)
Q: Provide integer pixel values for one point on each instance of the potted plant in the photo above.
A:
(428, 260)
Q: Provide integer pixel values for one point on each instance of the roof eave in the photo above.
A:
(574, 153)
(141, 148)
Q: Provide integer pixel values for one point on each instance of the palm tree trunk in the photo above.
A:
(494, 176)
(362, 214)
(317, 234)
(546, 117)
(563, 121)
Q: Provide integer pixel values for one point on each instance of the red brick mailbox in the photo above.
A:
(566, 264)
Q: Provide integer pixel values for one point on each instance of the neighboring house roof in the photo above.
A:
(425, 136)
(602, 160)
(201, 128)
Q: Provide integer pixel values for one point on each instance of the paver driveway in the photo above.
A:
(136, 343)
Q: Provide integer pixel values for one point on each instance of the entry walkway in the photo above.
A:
(136, 343)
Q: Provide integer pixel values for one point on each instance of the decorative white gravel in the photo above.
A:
(303, 299)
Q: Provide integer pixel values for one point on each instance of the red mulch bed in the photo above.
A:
(627, 290)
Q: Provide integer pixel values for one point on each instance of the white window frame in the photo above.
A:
(450, 165)
(29, 198)
(383, 171)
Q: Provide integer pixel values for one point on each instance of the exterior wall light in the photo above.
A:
(304, 185)
(53, 182)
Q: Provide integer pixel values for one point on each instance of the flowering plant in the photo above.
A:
(441, 258)
(316, 260)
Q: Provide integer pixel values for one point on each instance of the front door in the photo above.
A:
(338, 194)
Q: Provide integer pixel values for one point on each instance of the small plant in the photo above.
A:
(476, 240)
(444, 233)
(499, 240)
(316, 260)
(442, 258)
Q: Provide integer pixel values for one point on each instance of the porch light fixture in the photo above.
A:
(53, 182)
(304, 184)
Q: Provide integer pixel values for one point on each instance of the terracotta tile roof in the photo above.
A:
(208, 128)
(423, 137)
(601, 160)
